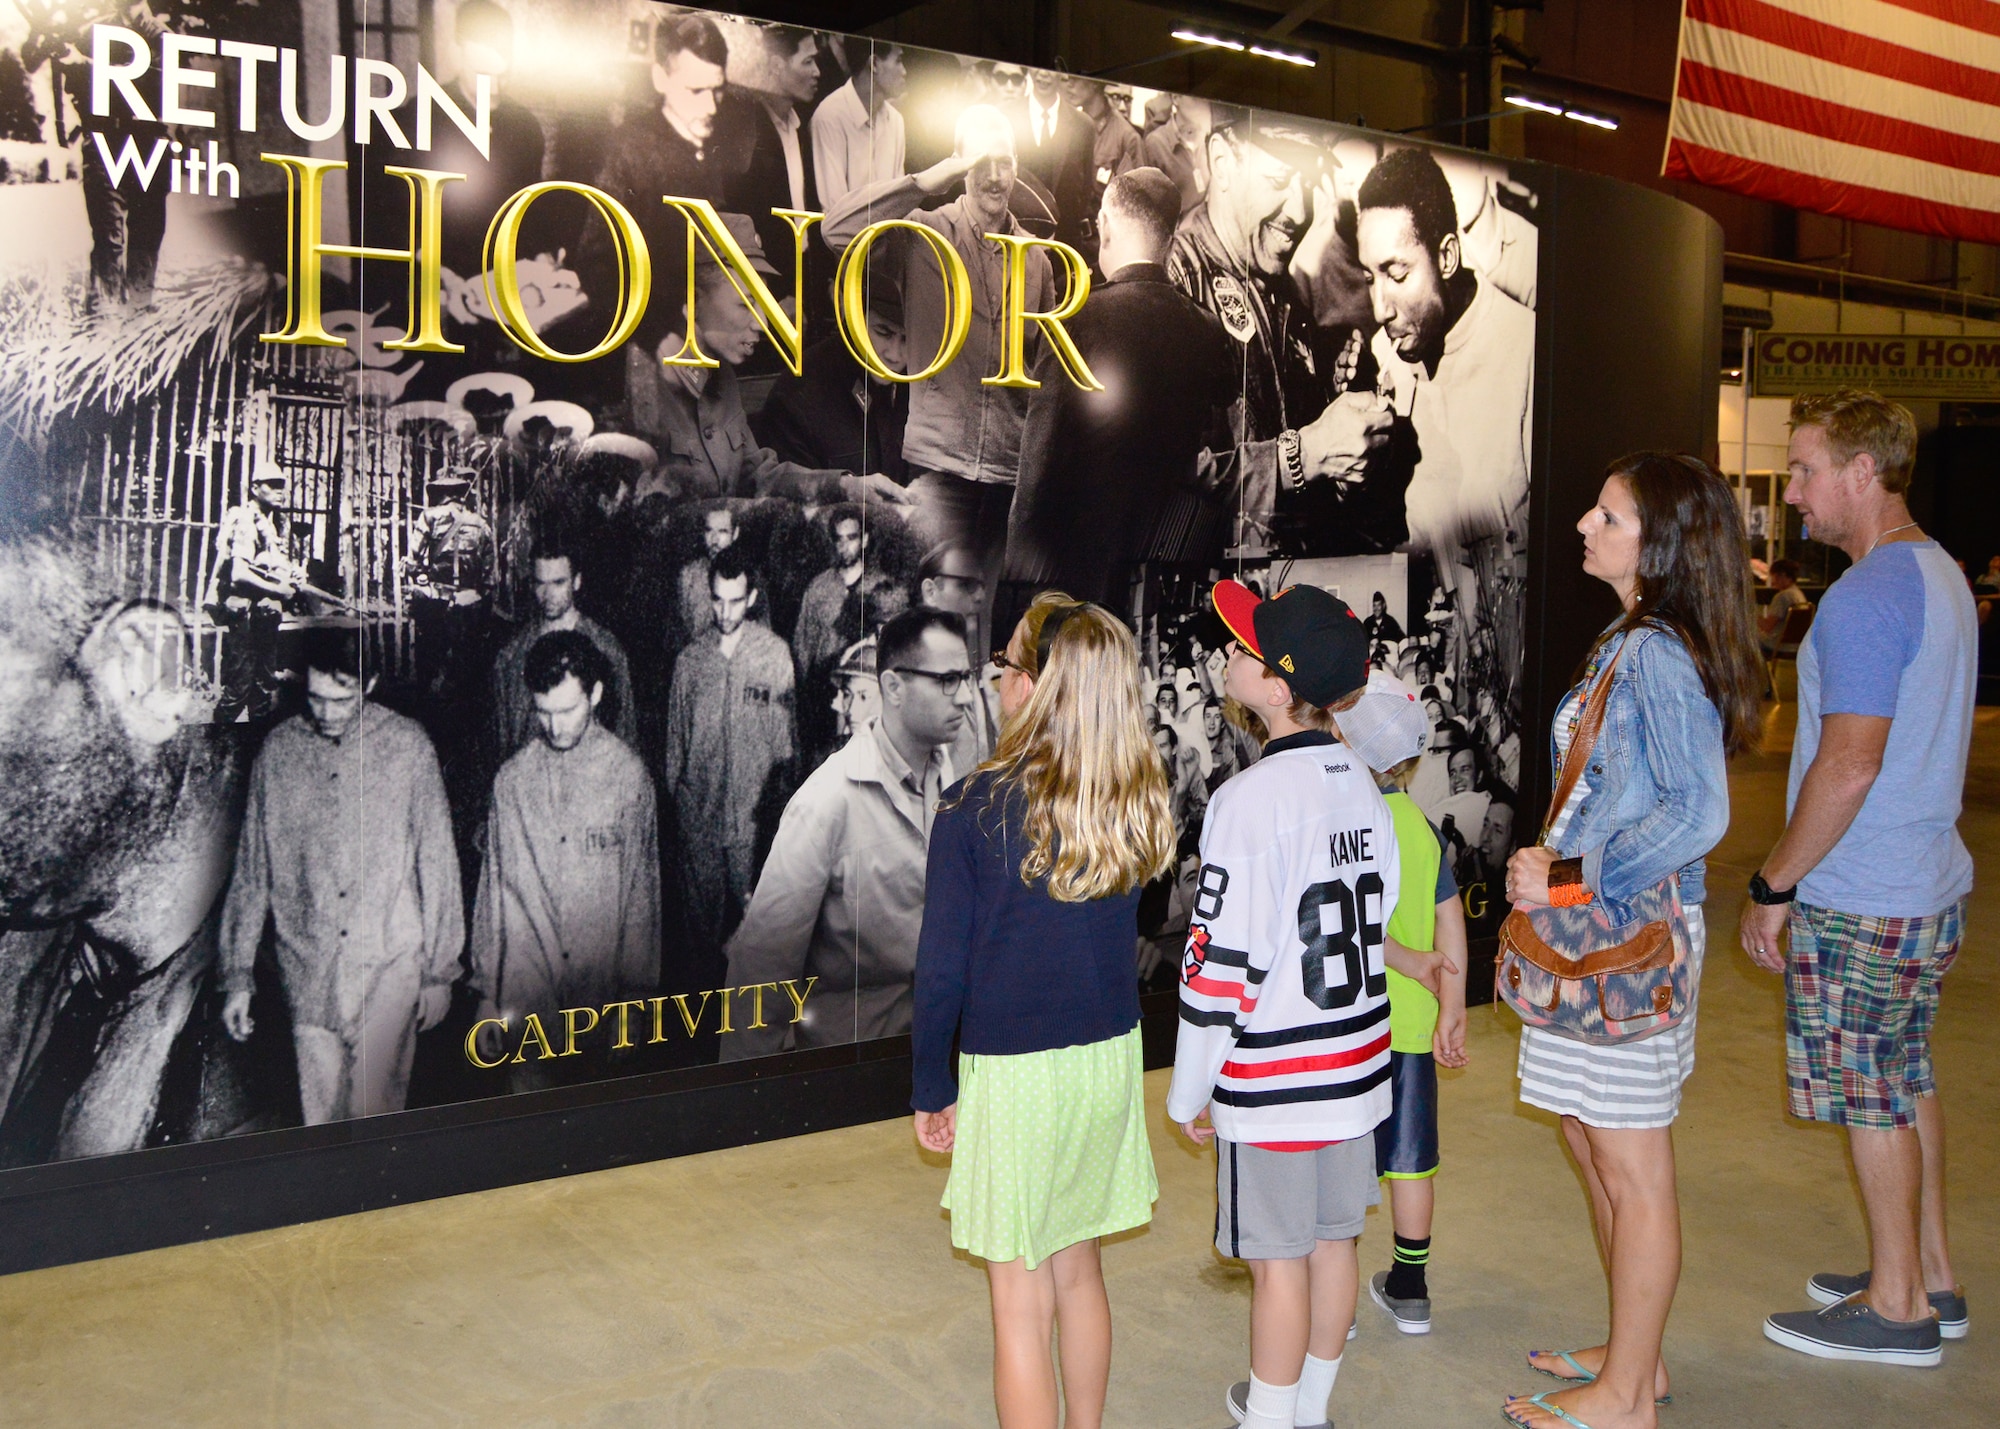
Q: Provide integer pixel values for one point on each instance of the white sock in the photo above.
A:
(1270, 1405)
(1315, 1389)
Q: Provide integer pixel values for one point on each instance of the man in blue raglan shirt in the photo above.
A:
(1871, 874)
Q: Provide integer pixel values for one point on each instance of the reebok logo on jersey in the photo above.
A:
(1197, 952)
(1336, 768)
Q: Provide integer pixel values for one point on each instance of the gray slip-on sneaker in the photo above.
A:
(1238, 1400)
(1851, 1330)
(1412, 1317)
(1828, 1288)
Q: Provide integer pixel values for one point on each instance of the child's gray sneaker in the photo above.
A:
(1830, 1289)
(1238, 1400)
(1412, 1317)
(1851, 1330)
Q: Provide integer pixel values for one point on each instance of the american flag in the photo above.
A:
(1887, 111)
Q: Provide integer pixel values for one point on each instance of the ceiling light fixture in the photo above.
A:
(1560, 108)
(1195, 32)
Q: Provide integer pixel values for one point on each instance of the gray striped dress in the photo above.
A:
(1630, 1087)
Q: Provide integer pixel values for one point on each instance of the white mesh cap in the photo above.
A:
(1386, 725)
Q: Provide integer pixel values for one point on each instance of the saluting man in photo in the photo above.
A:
(568, 909)
(347, 855)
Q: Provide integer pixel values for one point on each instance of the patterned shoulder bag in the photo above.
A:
(1574, 973)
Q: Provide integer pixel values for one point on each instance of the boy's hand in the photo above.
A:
(1198, 1131)
(1448, 1041)
(937, 1130)
(1427, 969)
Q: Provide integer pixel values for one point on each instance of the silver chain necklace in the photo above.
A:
(1907, 525)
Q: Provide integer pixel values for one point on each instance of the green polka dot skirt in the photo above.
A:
(1051, 1150)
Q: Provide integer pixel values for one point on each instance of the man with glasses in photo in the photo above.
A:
(841, 898)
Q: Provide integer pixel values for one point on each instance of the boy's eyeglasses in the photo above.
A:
(949, 682)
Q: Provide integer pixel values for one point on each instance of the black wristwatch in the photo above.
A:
(1764, 893)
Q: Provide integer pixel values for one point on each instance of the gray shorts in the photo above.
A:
(1273, 1205)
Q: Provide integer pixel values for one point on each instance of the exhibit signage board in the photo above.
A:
(1937, 366)
(506, 509)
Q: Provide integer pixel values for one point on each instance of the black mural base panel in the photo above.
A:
(85, 1210)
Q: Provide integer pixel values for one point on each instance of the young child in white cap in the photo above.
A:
(1387, 730)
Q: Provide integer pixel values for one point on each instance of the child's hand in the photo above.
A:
(937, 1130)
(1448, 1041)
(1199, 1131)
(1428, 969)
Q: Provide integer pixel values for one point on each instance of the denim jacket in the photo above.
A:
(1659, 787)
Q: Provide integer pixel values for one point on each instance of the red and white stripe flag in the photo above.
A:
(1887, 111)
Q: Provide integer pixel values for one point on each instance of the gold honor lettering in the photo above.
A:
(614, 1021)
(306, 250)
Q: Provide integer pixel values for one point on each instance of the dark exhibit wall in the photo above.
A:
(444, 765)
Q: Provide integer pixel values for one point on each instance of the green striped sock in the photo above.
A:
(1406, 1274)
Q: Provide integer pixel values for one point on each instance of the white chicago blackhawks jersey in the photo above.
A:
(1284, 1031)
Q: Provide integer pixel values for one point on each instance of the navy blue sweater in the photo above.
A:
(1003, 964)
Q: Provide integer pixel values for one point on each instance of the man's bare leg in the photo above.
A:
(1932, 1243)
(1889, 1166)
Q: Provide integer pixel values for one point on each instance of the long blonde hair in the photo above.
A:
(1098, 820)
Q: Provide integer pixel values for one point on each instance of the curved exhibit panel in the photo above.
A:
(503, 520)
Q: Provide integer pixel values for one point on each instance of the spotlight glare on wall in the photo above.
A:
(1196, 33)
(1561, 109)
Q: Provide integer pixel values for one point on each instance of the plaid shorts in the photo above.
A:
(1861, 996)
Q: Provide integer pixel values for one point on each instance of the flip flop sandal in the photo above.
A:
(1582, 1376)
(1541, 1402)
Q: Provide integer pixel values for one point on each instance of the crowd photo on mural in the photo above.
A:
(386, 728)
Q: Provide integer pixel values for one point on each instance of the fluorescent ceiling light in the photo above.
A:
(1540, 106)
(1197, 33)
(1561, 109)
(1208, 37)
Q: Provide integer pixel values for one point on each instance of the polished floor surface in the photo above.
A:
(812, 1281)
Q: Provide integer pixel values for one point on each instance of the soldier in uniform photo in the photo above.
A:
(1308, 418)
(253, 578)
(857, 692)
(347, 856)
(556, 584)
(730, 744)
(568, 908)
(451, 572)
(841, 898)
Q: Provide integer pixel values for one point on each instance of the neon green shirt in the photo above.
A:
(1413, 1012)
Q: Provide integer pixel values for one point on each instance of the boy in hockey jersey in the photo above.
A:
(1284, 1032)
(1388, 729)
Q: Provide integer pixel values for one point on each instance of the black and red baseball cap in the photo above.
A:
(1304, 634)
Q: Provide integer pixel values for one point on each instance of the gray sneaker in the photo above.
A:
(1829, 1289)
(1851, 1330)
(1412, 1317)
(1238, 1401)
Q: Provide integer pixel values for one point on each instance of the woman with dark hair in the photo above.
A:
(1667, 535)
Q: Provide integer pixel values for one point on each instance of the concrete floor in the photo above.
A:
(812, 1281)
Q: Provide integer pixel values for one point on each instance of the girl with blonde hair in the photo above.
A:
(1027, 954)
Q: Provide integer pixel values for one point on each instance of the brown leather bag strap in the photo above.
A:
(1588, 727)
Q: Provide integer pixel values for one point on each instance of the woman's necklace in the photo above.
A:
(1906, 526)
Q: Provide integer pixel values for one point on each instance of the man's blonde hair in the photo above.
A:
(1098, 819)
(1856, 421)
